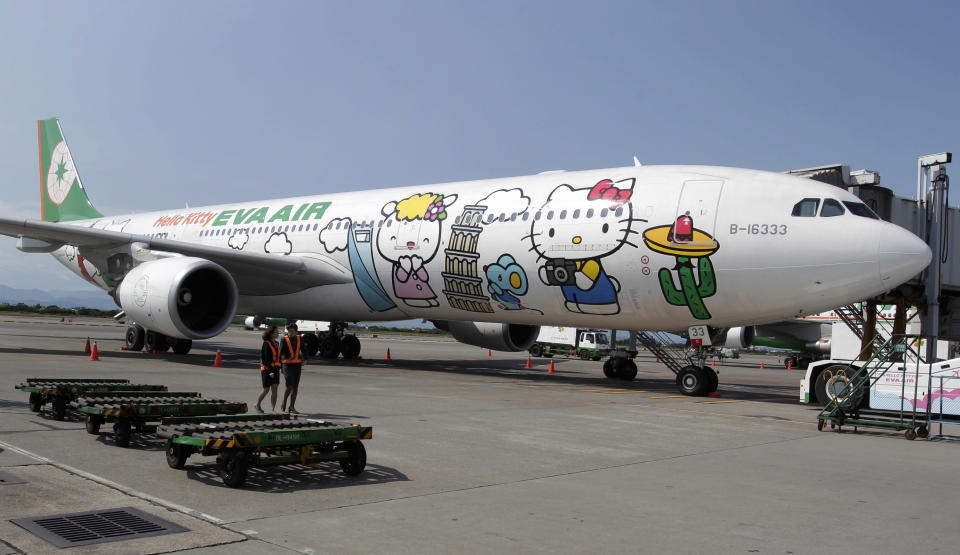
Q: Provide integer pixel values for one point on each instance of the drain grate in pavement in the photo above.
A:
(6, 479)
(110, 525)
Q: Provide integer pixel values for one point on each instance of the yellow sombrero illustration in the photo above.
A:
(702, 244)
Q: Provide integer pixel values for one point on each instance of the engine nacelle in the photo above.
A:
(499, 337)
(739, 337)
(184, 297)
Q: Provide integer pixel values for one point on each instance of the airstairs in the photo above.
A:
(667, 350)
(899, 379)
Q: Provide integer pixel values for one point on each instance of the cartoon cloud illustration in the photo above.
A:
(238, 240)
(278, 244)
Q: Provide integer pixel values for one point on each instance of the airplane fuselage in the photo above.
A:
(653, 247)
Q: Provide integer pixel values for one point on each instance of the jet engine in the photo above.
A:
(499, 337)
(739, 337)
(184, 297)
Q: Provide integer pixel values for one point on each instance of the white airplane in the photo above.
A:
(633, 248)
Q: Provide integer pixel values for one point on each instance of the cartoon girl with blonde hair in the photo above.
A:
(410, 238)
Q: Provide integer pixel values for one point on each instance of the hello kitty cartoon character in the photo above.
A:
(410, 238)
(573, 246)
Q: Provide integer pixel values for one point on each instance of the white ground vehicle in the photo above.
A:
(585, 343)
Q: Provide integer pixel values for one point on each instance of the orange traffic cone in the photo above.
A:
(761, 365)
(489, 354)
(86, 348)
(788, 365)
(95, 352)
(713, 362)
(528, 363)
(388, 355)
(218, 362)
(550, 371)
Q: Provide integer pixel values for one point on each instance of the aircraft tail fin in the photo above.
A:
(62, 196)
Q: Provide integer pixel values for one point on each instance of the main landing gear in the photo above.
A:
(332, 343)
(137, 338)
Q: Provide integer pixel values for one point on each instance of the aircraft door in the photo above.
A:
(697, 209)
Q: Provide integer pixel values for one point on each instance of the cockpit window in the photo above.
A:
(860, 209)
(806, 208)
(831, 208)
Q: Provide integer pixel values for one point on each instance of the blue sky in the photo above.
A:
(207, 102)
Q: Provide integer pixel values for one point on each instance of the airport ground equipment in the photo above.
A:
(588, 344)
(60, 392)
(140, 411)
(896, 388)
(245, 440)
(693, 376)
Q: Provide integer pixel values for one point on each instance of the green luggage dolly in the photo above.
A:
(131, 411)
(59, 392)
(246, 440)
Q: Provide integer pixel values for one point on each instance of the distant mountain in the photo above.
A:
(67, 299)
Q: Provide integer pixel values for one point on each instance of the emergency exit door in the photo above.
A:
(697, 209)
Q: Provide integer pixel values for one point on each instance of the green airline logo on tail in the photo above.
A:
(62, 195)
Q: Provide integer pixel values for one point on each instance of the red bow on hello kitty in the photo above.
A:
(606, 190)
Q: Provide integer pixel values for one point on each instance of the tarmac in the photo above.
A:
(476, 454)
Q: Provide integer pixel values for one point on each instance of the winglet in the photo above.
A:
(62, 196)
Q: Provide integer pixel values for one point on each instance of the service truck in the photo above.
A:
(823, 377)
(587, 344)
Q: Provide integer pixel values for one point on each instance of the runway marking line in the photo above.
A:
(626, 392)
(667, 396)
(727, 401)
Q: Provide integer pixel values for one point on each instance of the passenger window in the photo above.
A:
(576, 213)
(603, 213)
(550, 215)
(590, 212)
(537, 217)
(526, 216)
(831, 208)
(563, 214)
(860, 209)
(619, 212)
(806, 208)
(513, 217)
(502, 217)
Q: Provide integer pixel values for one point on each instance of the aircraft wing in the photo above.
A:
(255, 273)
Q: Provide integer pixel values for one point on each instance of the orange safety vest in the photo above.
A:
(276, 356)
(294, 354)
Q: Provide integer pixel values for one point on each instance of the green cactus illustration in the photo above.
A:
(690, 294)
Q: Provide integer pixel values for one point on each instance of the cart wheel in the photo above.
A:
(923, 432)
(357, 460)
(233, 467)
(122, 432)
(36, 402)
(819, 425)
(910, 434)
(176, 454)
(59, 408)
(93, 423)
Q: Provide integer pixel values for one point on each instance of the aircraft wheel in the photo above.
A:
(608, 368)
(349, 346)
(311, 344)
(156, 341)
(693, 380)
(624, 369)
(134, 338)
(329, 347)
(182, 346)
(536, 350)
(36, 402)
(713, 378)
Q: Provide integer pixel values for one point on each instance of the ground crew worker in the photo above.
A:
(269, 367)
(291, 352)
